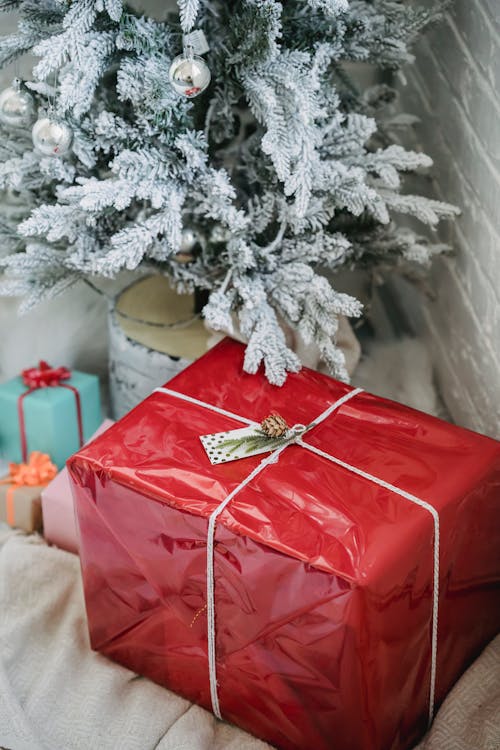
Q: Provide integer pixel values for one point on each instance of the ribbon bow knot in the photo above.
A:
(44, 376)
(39, 469)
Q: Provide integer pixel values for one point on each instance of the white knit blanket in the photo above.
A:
(56, 694)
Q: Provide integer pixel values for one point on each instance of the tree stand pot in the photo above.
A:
(154, 333)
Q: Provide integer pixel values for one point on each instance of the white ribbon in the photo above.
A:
(271, 459)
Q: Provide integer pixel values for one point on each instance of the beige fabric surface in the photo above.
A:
(56, 694)
(469, 718)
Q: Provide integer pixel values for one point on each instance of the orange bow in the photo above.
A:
(38, 471)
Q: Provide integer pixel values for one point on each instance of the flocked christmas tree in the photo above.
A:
(281, 170)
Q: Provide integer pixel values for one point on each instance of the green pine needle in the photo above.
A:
(254, 442)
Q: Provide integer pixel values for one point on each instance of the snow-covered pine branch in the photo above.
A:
(188, 10)
(285, 167)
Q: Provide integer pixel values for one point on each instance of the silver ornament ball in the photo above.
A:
(189, 245)
(189, 240)
(52, 136)
(189, 76)
(17, 107)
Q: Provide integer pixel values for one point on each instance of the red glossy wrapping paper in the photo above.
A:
(323, 579)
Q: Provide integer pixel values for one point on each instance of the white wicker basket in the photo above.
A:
(153, 335)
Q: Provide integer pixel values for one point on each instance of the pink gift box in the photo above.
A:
(59, 526)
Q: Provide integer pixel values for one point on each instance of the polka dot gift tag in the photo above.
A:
(232, 445)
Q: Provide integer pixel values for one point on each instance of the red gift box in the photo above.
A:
(331, 627)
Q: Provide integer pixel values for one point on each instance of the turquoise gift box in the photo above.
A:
(50, 417)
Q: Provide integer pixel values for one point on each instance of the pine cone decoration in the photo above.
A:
(274, 426)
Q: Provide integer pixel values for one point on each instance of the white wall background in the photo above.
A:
(455, 88)
(70, 330)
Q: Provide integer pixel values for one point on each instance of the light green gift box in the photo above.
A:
(50, 417)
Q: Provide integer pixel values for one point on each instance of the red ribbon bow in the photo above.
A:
(44, 376)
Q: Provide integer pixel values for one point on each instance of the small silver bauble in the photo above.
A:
(17, 107)
(189, 75)
(189, 240)
(52, 136)
(189, 247)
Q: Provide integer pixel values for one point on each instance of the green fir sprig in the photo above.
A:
(258, 441)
